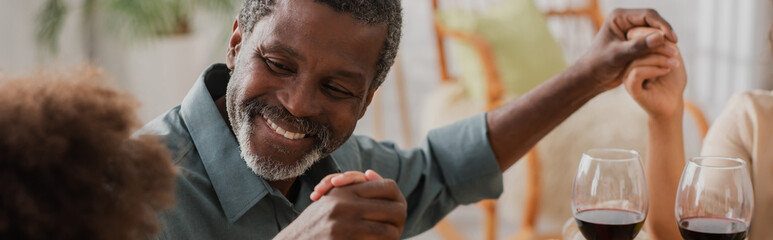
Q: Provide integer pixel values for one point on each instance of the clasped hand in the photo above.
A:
(373, 208)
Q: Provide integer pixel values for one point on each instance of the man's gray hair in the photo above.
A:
(371, 12)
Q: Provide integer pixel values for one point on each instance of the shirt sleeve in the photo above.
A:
(731, 134)
(456, 165)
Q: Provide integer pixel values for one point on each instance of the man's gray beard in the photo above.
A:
(266, 167)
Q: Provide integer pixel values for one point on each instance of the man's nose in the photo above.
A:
(300, 99)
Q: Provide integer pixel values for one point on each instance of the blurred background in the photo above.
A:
(452, 53)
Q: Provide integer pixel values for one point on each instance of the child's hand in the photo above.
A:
(342, 179)
(656, 81)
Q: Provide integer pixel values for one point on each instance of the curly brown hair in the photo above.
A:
(69, 167)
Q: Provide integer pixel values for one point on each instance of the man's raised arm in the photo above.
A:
(516, 127)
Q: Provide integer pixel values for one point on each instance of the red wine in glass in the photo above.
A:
(712, 228)
(609, 197)
(609, 224)
(715, 199)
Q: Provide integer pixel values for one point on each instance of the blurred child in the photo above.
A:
(69, 168)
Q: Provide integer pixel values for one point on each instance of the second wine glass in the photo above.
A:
(714, 199)
(609, 197)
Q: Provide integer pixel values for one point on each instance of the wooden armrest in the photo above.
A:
(698, 117)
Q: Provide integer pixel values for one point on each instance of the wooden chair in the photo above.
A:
(495, 98)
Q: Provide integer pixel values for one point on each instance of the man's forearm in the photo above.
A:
(517, 126)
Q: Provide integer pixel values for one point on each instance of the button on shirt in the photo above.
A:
(219, 197)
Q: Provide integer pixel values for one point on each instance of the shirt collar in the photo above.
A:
(237, 187)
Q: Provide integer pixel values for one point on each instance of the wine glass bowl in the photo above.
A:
(609, 196)
(569, 231)
(715, 199)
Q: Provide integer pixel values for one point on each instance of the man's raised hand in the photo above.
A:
(612, 51)
(657, 81)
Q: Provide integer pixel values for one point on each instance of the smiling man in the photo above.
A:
(254, 136)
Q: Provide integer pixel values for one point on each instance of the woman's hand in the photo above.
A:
(657, 81)
(342, 179)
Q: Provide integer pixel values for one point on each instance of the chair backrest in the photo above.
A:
(573, 24)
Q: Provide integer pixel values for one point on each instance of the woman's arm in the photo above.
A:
(665, 161)
(659, 93)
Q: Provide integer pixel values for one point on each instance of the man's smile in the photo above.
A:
(283, 136)
(281, 131)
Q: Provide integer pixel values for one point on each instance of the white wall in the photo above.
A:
(725, 45)
(18, 50)
(159, 73)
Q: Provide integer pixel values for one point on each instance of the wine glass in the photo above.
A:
(609, 197)
(715, 199)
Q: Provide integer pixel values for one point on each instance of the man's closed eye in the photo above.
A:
(339, 92)
(278, 67)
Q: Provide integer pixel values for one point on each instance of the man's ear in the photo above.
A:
(368, 99)
(234, 45)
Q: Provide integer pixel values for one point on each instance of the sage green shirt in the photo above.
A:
(219, 197)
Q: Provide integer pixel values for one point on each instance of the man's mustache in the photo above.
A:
(254, 108)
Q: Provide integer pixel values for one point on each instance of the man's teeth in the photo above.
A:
(285, 133)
